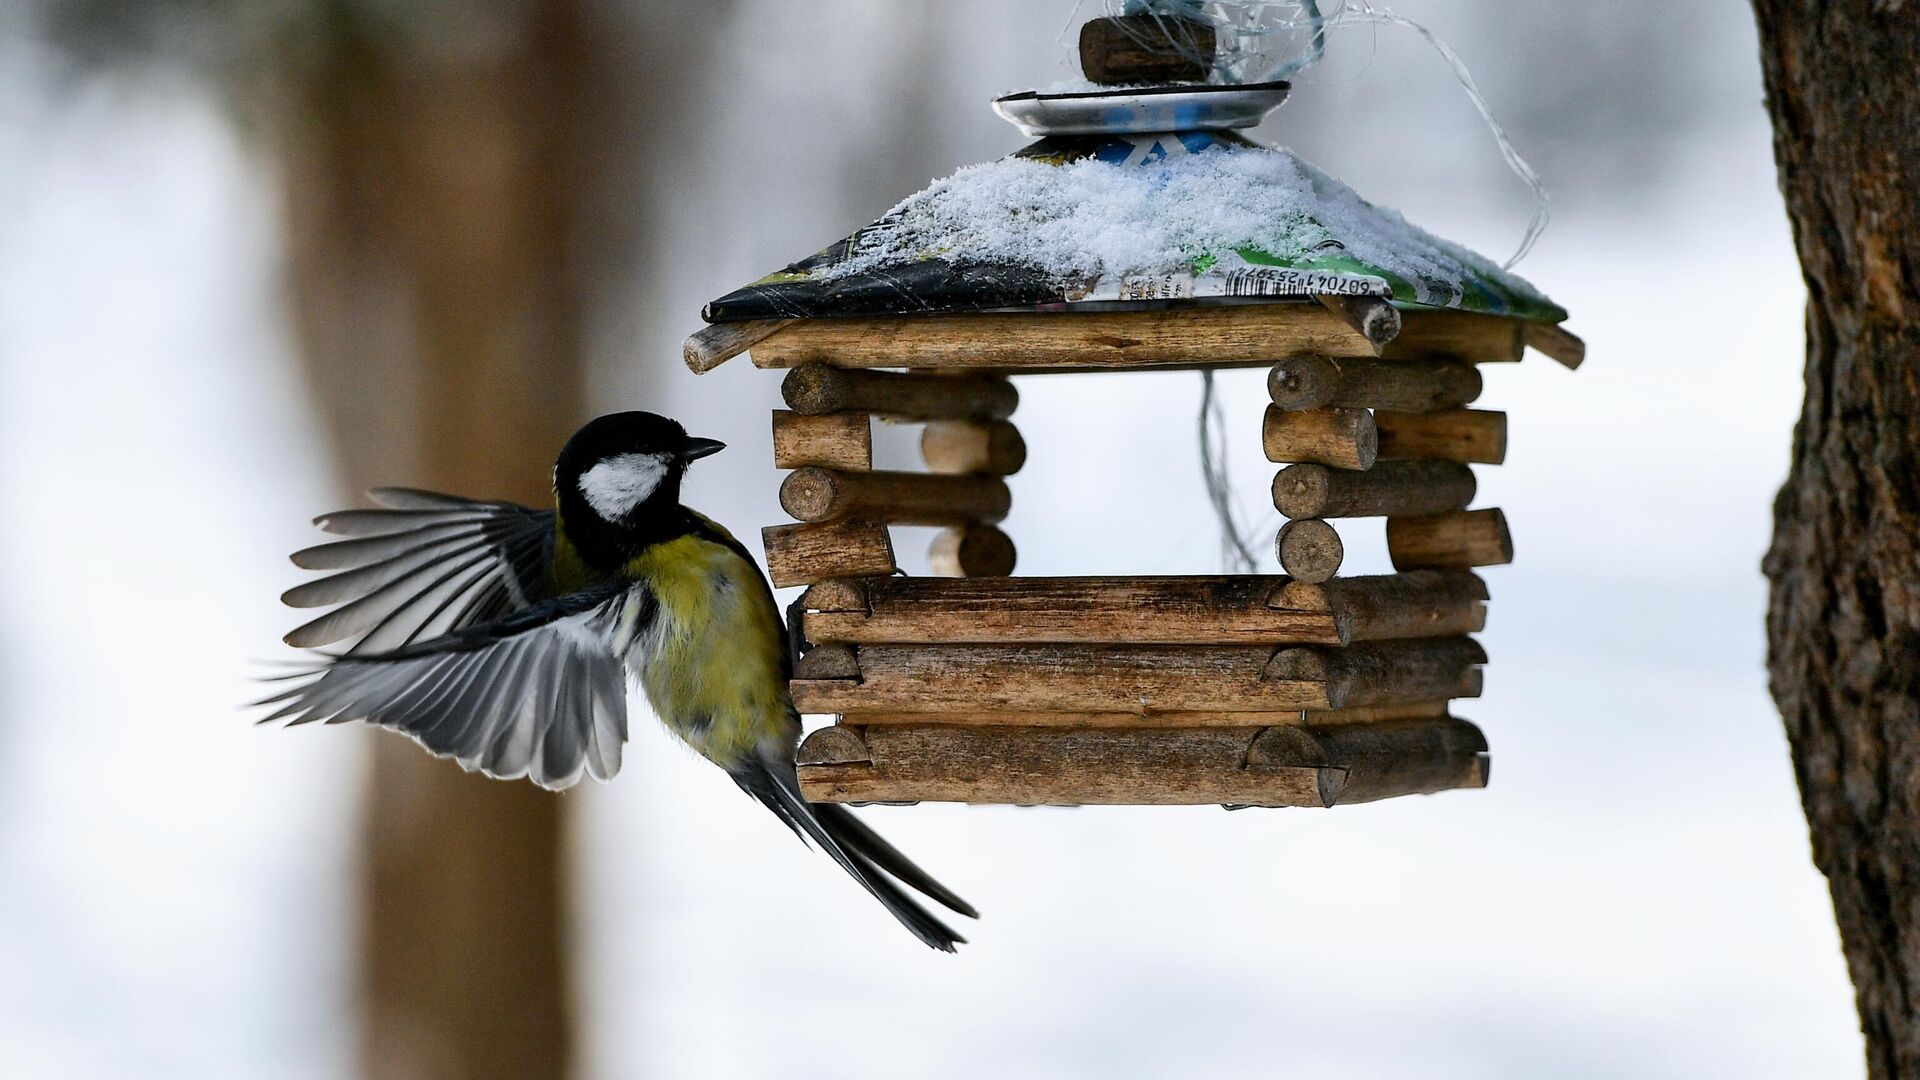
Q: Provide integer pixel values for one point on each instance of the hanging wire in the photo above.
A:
(1248, 33)
(1316, 44)
(1536, 224)
(1235, 551)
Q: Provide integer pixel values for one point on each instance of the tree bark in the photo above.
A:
(433, 197)
(1844, 621)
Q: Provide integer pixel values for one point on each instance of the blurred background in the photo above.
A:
(254, 256)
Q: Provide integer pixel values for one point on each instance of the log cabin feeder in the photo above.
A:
(1139, 231)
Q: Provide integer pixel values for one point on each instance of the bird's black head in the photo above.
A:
(622, 472)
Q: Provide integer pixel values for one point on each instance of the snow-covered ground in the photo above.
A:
(1631, 897)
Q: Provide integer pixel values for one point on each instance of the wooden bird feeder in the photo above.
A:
(1298, 689)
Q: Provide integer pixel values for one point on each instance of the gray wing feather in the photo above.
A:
(422, 566)
(406, 498)
(347, 554)
(541, 699)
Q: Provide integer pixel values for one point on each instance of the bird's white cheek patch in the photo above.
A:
(617, 485)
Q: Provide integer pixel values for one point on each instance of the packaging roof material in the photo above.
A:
(1133, 219)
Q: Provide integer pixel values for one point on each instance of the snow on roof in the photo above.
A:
(1089, 219)
(1126, 218)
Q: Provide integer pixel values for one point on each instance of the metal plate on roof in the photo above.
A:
(1142, 109)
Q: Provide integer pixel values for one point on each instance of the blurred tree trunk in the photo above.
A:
(433, 193)
(1844, 624)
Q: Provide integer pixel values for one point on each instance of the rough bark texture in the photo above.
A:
(1844, 624)
(432, 204)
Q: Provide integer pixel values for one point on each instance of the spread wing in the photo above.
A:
(422, 566)
(540, 693)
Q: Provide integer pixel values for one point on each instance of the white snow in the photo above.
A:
(1090, 219)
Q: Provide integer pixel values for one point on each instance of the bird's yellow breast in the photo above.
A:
(711, 661)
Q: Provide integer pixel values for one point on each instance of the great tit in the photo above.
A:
(505, 638)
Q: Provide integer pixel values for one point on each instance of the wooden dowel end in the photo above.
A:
(904, 498)
(1457, 335)
(1415, 604)
(1374, 316)
(1385, 672)
(973, 550)
(1558, 343)
(814, 389)
(804, 554)
(833, 745)
(828, 662)
(1463, 538)
(711, 346)
(965, 446)
(1343, 438)
(1477, 436)
(1383, 760)
(1390, 488)
(1309, 550)
(835, 441)
(837, 595)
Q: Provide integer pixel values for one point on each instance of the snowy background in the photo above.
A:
(1631, 897)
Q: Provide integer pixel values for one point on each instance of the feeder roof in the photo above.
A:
(1119, 219)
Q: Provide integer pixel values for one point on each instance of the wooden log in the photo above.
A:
(836, 441)
(1344, 438)
(964, 446)
(1186, 718)
(1373, 714)
(1429, 334)
(835, 744)
(1245, 335)
(1312, 382)
(1304, 382)
(1066, 767)
(1349, 744)
(1373, 316)
(1462, 435)
(903, 498)
(1392, 607)
(711, 346)
(1093, 610)
(1463, 538)
(1309, 550)
(804, 554)
(1071, 678)
(1390, 488)
(838, 595)
(813, 389)
(1119, 50)
(1147, 610)
(1383, 760)
(973, 550)
(1381, 672)
(827, 661)
(1558, 343)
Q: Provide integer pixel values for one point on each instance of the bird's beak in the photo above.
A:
(699, 448)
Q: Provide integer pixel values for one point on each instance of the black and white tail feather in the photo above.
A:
(859, 850)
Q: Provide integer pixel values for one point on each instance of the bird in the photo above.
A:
(506, 638)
